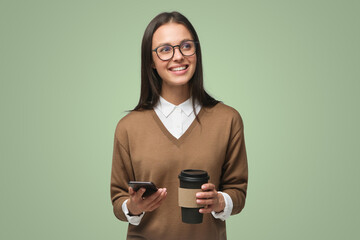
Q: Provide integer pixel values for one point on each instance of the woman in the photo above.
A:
(177, 125)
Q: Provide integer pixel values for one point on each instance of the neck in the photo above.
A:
(175, 95)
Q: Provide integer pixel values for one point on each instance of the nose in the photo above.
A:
(177, 54)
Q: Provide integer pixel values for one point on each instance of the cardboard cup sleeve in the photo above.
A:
(187, 198)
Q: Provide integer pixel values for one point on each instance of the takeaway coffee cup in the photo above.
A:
(190, 183)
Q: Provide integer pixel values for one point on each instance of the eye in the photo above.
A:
(186, 45)
(165, 49)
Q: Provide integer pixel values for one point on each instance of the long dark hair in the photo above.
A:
(150, 80)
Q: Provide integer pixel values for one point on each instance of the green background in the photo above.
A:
(69, 70)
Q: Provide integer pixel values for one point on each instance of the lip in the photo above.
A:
(181, 72)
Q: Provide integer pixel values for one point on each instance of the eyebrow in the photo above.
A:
(184, 40)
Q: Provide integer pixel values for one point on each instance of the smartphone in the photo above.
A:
(149, 186)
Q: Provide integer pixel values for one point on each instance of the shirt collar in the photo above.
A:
(187, 107)
(167, 108)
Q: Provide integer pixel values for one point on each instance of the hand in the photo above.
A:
(209, 197)
(137, 204)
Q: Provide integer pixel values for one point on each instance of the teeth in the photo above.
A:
(178, 69)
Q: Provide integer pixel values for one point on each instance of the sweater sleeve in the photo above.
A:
(121, 174)
(234, 178)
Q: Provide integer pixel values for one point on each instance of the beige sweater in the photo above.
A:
(144, 150)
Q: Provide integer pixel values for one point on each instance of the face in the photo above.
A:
(178, 70)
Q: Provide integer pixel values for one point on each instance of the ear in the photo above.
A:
(153, 65)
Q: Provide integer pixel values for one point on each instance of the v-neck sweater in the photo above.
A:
(144, 150)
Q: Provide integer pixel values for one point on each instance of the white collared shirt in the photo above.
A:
(177, 119)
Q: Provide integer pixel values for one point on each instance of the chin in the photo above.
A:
(179, 82)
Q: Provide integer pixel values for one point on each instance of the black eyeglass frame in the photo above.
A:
(173, 47)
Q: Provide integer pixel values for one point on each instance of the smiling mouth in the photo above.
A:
(175, 69)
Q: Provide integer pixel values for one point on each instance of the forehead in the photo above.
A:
(172, 33)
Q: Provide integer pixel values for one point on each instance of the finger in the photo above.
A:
(131, 192)
(158, 198)
(205, 210)
(161, 193)
(155, 195)
(210, 194)
(159, 202)
(139, 193)
(206, 201)
(207, 187)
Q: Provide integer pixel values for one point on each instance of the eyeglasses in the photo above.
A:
(166, 52)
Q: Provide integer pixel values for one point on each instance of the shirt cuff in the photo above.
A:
(227, 210)
(133, 220)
